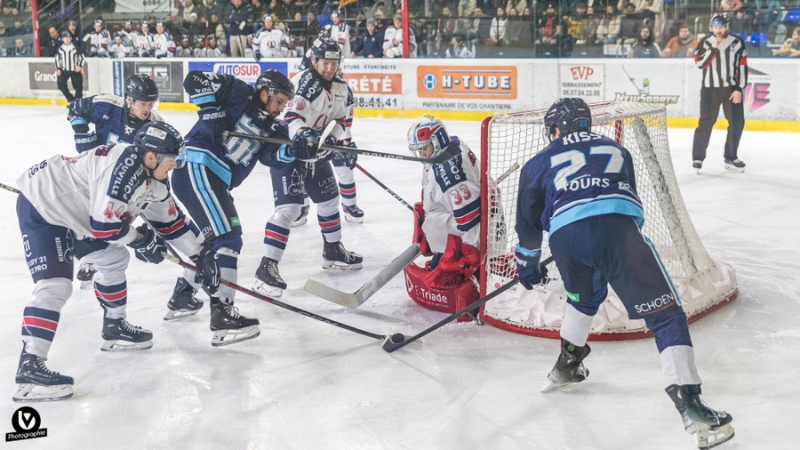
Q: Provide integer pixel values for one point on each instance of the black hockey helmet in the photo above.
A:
(325, 48)
(140, 86)
(275, 83)
(160, 138)
(568, 115)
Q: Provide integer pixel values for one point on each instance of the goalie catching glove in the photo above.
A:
(149, 247)
(459, 261)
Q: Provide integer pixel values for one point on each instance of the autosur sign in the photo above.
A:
(467, 82)
(243, 71)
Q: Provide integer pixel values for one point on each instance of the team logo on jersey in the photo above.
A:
(128, 130)
(300, 104)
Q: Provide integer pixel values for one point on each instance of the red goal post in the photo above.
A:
(508, 140)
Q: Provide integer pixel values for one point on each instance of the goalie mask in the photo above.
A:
(427, 130)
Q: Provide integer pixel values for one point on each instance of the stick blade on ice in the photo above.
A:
(330, 294)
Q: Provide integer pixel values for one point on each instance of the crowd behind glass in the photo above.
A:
(438, 28)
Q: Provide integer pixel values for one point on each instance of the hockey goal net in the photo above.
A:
(508, 142)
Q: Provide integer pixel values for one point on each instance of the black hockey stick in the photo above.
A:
(393, 344)
(385, 188)
(173, 256)
(445, 155)
(9, 188)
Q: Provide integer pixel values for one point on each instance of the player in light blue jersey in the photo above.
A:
(581, 189)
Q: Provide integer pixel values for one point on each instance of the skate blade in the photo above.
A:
(709, 438)
(31, 393)
(338, 265)
(265, 289)
(117, 345)
(734, 168)
(353, 219)
(177, 315)
(551, 384)
(228, 337)
(300, 222)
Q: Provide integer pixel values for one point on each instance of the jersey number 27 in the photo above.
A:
(577, 159)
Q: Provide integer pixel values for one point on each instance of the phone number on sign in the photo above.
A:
(375, 102)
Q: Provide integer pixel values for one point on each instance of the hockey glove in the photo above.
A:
(528, 267)
(207, 261)
(149, 246)
(323, 153)
(257, 55)
(352, 158)
(467, 263)
(305, 145)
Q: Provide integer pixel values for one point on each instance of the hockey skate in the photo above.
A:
(353, 214)
(183, 303)
(302, 218)
(37, 383)
(268, 279)
(697, 164)
(228, 326)
(120, 335)
(86, 275)
(569, 368)
(338, 257)
(737, 165)
(711, 428)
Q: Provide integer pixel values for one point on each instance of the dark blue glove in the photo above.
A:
(149, 247)
(528, 268)
(257, 55)
(305, 145)
(207, 262)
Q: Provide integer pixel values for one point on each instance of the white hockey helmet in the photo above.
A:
(427, 130)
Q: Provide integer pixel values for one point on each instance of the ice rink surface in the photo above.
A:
(306, 385)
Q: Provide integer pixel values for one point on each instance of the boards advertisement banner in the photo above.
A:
(42, 77)
(586, 81)
(245, 70)
(167, 75)
(498, 87)
(141, 6)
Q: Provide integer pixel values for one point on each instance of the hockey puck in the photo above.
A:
(397, 338)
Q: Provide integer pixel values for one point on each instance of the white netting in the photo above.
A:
(642, 129)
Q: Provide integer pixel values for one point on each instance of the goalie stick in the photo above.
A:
(174, 257)
(357, 298)
(445, 155)
(390, 345)
(9, 188)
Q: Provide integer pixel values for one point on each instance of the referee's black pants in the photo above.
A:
(77, 83)
(710, 99)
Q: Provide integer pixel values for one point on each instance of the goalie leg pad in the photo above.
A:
(447, 296)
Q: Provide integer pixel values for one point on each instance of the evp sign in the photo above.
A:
(467, 82)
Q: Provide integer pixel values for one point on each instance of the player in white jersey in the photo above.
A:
(120, 48)
(98, 40)
(96, 195)
(185, 50)
(143, 41)
(339, 32)
(270, 42)
(210, 49)
(320, 98)
(393, 40)
(447, 221)
(163, 45)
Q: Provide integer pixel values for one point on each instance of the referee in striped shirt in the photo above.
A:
(723, 59)
(69, 66)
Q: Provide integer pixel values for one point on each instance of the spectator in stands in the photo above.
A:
(53, 41)
(275, 8)
(629, 25)
(645, 46)
(313, 28)
(514, 27)
(681, 46)
(791, 46)
(497, 30)
(237, 30)
(739, 25)
(547, 26)
(370, 43)
(188, 9)
(564, 43)
(460, 47)
(528, 30)
(653, 10)
(477, 26)
(772, 5)
(578, 24)
(447, 24)
(519, 5)
(466, 7)
(393, 40)
(730, 5)
(20, 49)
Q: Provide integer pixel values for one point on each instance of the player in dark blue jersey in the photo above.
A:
(581, 189)
(216, 165)
(116, 120)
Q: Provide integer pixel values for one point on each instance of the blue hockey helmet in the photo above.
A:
(427, 130)
(139, 86)
(568, 115)
(160, 138)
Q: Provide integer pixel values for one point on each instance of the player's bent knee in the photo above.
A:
(285, 215)
(328, 207)
(52, 293)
